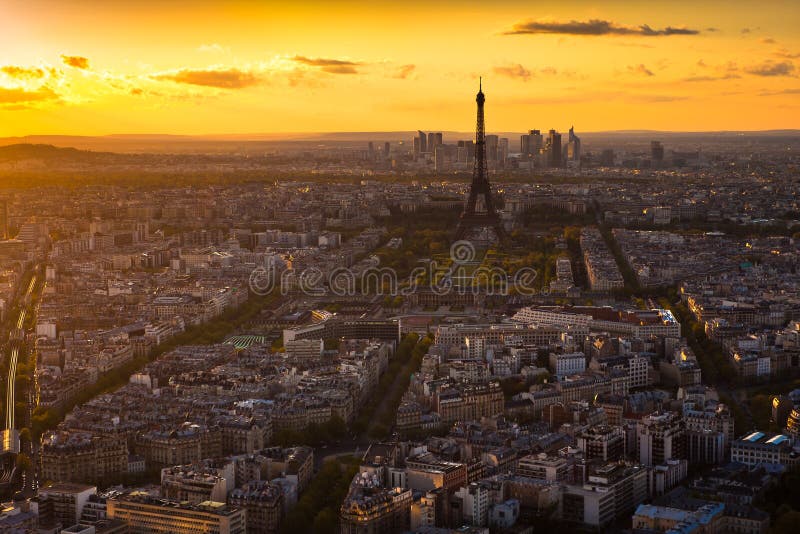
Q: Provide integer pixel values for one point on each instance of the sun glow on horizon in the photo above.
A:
(90, 68)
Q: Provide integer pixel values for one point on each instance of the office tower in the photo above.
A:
(491, 147)
(661, 437)
(536, 141)
(441, 155)
(554, 149)
(524, 146)
(466, 151)
(386, 148)
(437, 138)
(573, 146)
(607, 157)
(473, 218)
(502, 150)
(416, 148)
(423, 141)
(656, 151)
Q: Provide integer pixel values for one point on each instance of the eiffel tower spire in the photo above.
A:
(476, 217)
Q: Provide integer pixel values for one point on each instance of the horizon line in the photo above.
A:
(362, 132)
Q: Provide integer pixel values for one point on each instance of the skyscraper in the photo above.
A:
(423, 141)
(491, 147)
(573, 146)
(656, 151)
(554, 149)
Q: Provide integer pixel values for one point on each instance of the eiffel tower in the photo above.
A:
(478, 220)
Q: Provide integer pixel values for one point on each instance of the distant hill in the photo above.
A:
(51, 154)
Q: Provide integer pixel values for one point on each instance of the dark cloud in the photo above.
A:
(23, 73)
(768, 40)
(593, 27)
(405, 71)
(79, 62)
(640, 69)
(517, 72)
(746, 30)
(772, 68)
(730, 76)
(221, 78)
(712, 29)
(22, 96)
(793, 91)
(333, 66)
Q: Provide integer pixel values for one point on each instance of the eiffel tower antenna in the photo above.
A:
(475, 218)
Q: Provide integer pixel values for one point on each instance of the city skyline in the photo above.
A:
(247, 68)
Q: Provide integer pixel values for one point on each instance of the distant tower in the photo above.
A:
(475, 217)
(554, 149)
(573, 146)
(656, 151)
(423, 141)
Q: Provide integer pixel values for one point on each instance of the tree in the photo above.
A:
(326, 521)
(786, 523)
(24, 462)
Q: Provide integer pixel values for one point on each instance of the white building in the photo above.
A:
(567, 364)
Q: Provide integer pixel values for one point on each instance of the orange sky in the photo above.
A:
(90, 67)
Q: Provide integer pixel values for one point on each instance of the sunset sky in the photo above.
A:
(92, 68)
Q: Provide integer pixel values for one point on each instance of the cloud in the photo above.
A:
(332, 66)
(593, 27)
(79, 62)
(729, 76)
(768, 40)
(793, 91)
(213, 48)
(405, 71)
(230, 78)
(785, 54)
(517, 72)
(772, 68)
(22, 73)
(640, 70)
(600, 96)
(746, 30)
(11, 95)
(712, 29)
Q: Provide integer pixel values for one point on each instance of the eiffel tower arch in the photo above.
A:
(480, 220)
